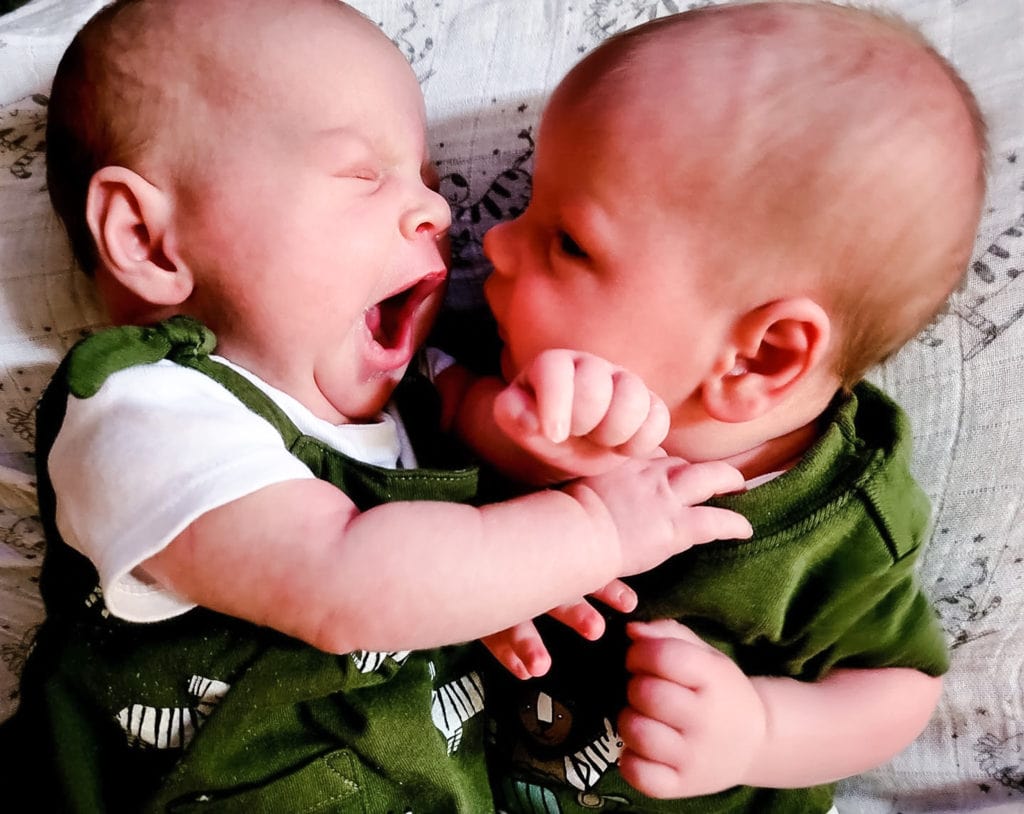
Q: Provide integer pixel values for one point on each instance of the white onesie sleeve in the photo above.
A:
(132, 466)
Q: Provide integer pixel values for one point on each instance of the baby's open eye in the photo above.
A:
(569, 246)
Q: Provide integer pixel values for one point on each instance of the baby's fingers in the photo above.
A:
(515, 412)
(520, 650)
(650, 777)
(646, 440)
(635, 419)
(552, 379)
(661, 629)
(617, 595)
(581, 617)
(683, 664)
(702, 524)
(649, 739)
(585, 619)
(695, 483)
(594, 391)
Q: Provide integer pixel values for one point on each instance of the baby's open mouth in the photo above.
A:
(391, 321)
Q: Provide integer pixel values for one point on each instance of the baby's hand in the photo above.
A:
(695, 723)
(520, 649)
(581, 414)
(652, 506)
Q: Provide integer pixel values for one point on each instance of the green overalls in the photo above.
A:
(828, 580)
(204, 712)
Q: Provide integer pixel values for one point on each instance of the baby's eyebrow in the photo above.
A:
(346, 143)
(340, 137)
(342, 132)
(340, 143)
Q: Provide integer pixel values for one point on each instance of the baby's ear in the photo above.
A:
(129, 219)
(773, 350)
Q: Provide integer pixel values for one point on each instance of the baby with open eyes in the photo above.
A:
(748, 206)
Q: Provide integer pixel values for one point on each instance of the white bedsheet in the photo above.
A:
(485, 67)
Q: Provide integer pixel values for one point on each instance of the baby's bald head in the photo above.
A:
(147, 83)
(823, 151)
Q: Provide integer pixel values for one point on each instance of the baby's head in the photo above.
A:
(749, 205)
(262, 166)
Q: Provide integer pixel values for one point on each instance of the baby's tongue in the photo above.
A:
(386, 320)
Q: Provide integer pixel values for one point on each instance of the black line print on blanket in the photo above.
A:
(24, 535)
(607, 17)
(1002, 759)
(13, 655)
(963, 609)
(22, 423)
(22, 136)
(504, 198)
(993, 299)
(411, 40)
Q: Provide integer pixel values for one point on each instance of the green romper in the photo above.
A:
(828, 580)
(204, 712)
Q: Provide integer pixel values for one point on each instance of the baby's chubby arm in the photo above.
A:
(695, 724)
(298, 556)
(566, 414)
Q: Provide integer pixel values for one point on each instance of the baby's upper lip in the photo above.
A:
(431, 278)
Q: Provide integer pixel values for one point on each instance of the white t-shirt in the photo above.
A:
(160, 445)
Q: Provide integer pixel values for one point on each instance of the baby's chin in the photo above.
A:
(366, 401)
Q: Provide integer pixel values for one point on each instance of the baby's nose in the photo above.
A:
(497, 247)
(429, 213)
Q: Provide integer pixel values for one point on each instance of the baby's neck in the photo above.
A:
(776, 454)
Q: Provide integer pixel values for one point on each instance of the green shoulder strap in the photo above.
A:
(444, 473)
(179, 339)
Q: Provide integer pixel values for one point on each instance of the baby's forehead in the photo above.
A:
(778, 122)
(211, 42)
(251, 63)
(765, 79)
